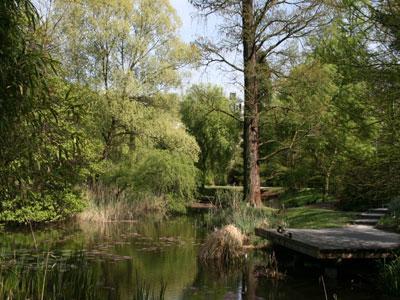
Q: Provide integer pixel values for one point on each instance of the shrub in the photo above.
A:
(154, 180)
(392, 221)
(41, 208)
(163, 173)
(394, 207)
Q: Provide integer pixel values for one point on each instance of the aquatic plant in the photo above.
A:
(51, 276)
(224, 246)
(47, 278)
(144, 291)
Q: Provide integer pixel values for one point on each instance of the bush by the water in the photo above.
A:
(158, 174)
(41, 208)
(163, 172)
(224, 246)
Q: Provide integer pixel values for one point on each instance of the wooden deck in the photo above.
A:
(335, 243)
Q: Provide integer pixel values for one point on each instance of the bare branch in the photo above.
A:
(224, 112)
(213, 54)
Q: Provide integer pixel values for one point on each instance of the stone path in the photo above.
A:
(371, 217)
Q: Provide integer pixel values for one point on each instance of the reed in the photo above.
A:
(53, 277)
(106, 204)
(49, 279)
(390, 277)
(144, 291)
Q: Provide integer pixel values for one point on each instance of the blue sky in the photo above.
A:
(194, 26)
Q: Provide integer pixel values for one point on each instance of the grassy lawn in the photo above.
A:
(298, 213)
(314, 218)
(390, 223)
(303, 197)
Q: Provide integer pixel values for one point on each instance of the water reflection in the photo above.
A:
(140, 260)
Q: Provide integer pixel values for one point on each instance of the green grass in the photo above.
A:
(303, 197)
(389, 278)
(247, 218)
(314, 218)
(390, 222)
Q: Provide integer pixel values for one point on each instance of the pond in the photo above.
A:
(141, 260)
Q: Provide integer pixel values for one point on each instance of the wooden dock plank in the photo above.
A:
(334, 243)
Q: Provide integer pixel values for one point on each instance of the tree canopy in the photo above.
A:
(89, 103)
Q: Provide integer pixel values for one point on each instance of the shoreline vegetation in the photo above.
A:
(305, 209)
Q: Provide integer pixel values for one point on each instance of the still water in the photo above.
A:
(128, 260)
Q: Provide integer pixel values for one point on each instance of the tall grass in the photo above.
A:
(48, 279)
(390, 277)
(238, 213)
(74, 277)
(144, 291)
(106, 204)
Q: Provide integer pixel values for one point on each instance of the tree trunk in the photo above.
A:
(326, 186)
(251, 187)
(328, 175)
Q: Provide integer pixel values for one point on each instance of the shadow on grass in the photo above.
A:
(314, 218)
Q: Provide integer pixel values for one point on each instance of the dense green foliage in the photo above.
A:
(86, 105)
(214, 121)
(42, 152)
(70, 124)
(332, 124)
(143, 148)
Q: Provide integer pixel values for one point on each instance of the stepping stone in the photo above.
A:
(382, 210)
(372, 217)
(368, 215)
(366, 221)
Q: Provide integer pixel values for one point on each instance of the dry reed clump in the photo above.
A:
(103, 206)
(224, 246)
